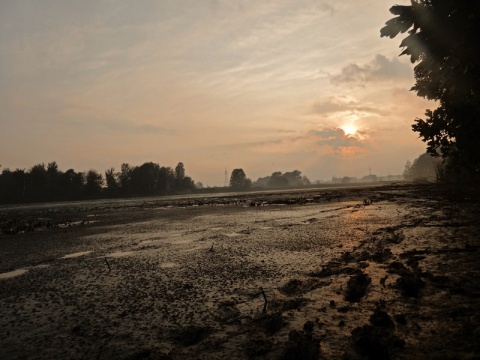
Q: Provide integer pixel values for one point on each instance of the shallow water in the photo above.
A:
(13, 274)
(77, 254)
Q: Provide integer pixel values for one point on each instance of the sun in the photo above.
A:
(349, 129)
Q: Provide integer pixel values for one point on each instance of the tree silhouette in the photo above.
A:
(442, 40)
(179, 176)
(42, 183)
(93, 185)
(113, 182)
(239, 181)
(277, 180)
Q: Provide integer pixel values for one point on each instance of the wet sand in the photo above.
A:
(302, 275)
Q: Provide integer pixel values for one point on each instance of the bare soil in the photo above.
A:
(387, 272)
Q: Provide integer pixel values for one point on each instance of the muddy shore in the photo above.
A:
(389, 272)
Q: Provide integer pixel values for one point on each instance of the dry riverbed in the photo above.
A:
(380, 272)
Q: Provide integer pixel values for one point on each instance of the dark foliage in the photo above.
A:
(239, 181)
(443, 42)
(47, 183)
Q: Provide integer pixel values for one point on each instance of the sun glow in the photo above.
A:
(349, 129)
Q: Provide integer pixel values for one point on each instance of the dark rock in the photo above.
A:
(273, 323)
(381, 319)
(139, 355)
(192, 335)
(291, 287)
(400, 319)
(308, 327)
(357, 287)
(301, 346)
(410, 285)
(258, 346)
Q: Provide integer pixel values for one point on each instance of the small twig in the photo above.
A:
(211, 249)
(106, 262)
(264, 298)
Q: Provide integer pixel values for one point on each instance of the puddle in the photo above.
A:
(12, 274)
(120, 254)
(41, 266)
(266, 228)
(168, 265)
(77, 254)
(216, 228)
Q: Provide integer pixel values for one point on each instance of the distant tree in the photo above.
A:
(71, 185)
(144, 179)
(408, 170)
(94, 183)
(239, 181)
(179, 176)
(37, 187)
(113, 182)
(166, 180)
(443, 41)
(6, 185)
(199, 185)
(261, 182)
(53, 178)
(305, 180)
(124, 178)
(277, 180)
(424, 167)
(19, 186)
(180, 171)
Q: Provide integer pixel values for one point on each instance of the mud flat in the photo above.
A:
(388, 272)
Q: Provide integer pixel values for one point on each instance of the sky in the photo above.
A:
(264, 86)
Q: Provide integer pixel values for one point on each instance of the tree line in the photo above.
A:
(239, 180)
(43, 183)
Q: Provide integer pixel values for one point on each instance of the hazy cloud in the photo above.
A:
(381, 68)
(335, 104)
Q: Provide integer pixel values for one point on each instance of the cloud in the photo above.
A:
(320, 142)
(379, 69)
(340, 103)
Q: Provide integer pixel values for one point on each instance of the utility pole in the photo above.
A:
(225, 183)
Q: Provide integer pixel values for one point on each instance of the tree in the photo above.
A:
(37, 186)
(144, 179)
(71, 184)
(53, 176)
(277, 180)
(166, 180)
(408, 170)
(442, 41)
(124, 178)
(113, 182)
(425, 167)
(94, 182)
(179, 176)
(239, 181)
